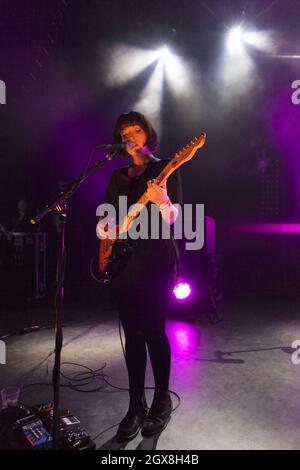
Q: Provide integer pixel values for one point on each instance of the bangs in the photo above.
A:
(135, 118)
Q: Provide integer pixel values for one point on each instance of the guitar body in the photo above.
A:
(105, 253)
(113, 257)
(114, 253)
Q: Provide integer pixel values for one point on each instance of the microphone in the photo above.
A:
(116, 147)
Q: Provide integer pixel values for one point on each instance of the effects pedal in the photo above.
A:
(77, 439)
(34, 434)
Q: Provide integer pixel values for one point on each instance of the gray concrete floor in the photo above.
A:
(238, 386)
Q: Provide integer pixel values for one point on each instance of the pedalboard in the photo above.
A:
(31, 428)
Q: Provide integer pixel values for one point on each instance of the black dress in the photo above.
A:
(151, 270)
(142, 289)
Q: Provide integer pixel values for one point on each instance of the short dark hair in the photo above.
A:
(132, 118)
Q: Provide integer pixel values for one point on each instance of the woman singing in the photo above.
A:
(142, 287)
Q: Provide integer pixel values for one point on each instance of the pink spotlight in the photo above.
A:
(182, 290)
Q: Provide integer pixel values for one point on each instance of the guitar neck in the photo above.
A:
(144, 199)
(161, 178)
(179, 159)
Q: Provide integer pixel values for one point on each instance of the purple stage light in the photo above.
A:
(266, 228)
(182, 290)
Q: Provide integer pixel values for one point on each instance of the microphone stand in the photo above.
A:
(61, 207)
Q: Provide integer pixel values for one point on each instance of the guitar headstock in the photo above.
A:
(189, 150)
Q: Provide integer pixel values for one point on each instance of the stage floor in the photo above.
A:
(238, 386)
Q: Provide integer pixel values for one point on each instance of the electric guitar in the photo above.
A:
(112, 250)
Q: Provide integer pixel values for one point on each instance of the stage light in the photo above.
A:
(261, 40)
(149, 100)
(282, 56)
(182, 290)
(164, 52)
(126, 62)
(266, 228)
(236, 67)
(170, 69)
(177, 72)
(235, 40)
(236, 33)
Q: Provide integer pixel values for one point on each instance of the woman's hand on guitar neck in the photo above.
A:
(157, 193)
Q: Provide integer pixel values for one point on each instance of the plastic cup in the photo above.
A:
(10, 396)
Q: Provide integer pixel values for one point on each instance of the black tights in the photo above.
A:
(159, 350)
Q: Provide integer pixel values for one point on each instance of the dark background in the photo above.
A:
(54, 59)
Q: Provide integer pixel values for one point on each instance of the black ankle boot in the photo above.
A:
(159, 414)
(134, 419)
